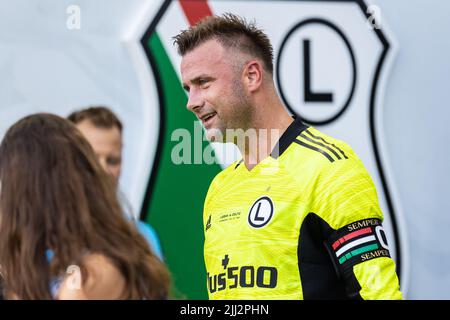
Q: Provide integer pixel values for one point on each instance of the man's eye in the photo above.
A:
(113, 161)
(203, 82)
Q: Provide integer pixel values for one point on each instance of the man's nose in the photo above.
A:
(195, 101)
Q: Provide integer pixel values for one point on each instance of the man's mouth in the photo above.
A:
(208, 119)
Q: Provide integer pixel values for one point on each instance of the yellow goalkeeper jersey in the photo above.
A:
(304, 223)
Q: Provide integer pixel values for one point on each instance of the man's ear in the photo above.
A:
(253, 75)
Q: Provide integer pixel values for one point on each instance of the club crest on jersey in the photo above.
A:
(261, 212)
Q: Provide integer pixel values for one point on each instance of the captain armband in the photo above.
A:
(357, 242)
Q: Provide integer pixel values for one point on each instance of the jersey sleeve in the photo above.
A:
(345, 198)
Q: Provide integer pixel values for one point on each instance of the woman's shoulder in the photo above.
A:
(103, 280)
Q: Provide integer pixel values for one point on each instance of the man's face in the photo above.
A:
(107, 145)
(212, 77)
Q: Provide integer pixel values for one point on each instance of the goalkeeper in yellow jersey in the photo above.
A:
(298, 216)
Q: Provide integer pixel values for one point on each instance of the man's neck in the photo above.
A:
(261, 139)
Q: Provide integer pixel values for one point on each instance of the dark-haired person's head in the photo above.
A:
(103, 129)
(227, 70)
(55, 197)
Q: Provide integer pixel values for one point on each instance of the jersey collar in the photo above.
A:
(294, 129)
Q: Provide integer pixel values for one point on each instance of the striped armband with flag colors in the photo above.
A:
(357, 242)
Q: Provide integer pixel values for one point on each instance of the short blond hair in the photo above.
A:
(231, 31)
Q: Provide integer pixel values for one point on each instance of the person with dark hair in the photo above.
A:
(62, 231)
(298, 216)
(103, 129)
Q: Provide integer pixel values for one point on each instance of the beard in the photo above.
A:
(238, 118)
(215, 135)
